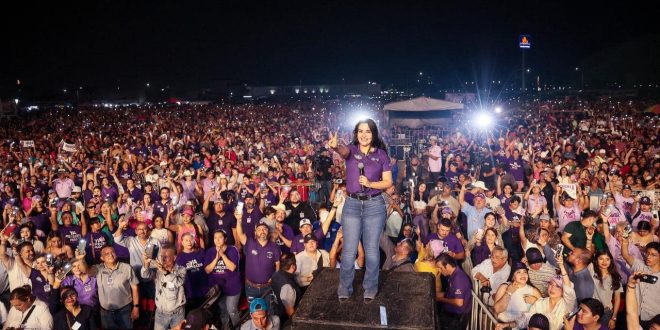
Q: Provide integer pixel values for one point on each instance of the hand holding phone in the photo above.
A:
(646, 278)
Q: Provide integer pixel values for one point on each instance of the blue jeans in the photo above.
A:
(361, 220)
(165, 321)
(118, 319)
(229, 310)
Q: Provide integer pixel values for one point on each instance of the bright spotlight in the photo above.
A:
(498, 109)
(483, 120)
(357, 116)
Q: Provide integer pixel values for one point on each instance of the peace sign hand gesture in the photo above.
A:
(332, 142)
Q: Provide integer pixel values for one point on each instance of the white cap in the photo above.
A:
(479, 184)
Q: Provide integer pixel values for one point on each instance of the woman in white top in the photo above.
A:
(607, 285)
(515, 298)
(536, 203)
(559, 302)
(160, 233)
(27, 312)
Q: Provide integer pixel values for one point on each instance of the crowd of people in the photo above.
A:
(125, 218)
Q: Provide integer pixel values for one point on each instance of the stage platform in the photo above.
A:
(407, 298)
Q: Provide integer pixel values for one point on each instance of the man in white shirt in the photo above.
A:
(435, 159)
(493, 271)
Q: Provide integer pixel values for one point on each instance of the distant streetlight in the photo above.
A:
(421, 73)
(148, 84)
(577, 69)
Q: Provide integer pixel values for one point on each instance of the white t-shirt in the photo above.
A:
(40, 319)
(435, 165)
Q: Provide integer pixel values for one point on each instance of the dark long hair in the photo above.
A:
(376, 140)
(616, 277)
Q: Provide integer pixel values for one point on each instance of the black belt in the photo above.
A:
(116, 310)
(363, 196)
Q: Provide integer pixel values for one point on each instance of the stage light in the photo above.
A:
(498, 109)
(483, 120)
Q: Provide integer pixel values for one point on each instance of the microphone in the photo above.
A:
(361, 168)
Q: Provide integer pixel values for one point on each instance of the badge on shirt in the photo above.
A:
(47, 288)
(109, 281)
(249, 220)
(269, 255)
(302, 214)
(87, 288)
(220, 222)
(254, 252)
(76, 326)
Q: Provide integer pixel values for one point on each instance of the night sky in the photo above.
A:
(53, 44)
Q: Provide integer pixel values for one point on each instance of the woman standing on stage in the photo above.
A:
(368, 172)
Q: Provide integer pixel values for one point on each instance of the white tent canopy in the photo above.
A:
(421, 111)
(422, 104)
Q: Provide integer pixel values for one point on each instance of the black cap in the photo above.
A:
(198, 318)
(539, 321)
(533, 256)
(309, 237)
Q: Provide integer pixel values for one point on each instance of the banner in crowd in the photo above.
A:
(69, 147)
(569, 188)
(27, 143)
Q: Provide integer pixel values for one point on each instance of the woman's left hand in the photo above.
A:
(611, 324)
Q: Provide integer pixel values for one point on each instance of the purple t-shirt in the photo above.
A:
(229, 282)
(225, 222)
(260, 260)
(459, 287)
(516, 168)
(298, 243)
(250, 221)
(195, 283)
(375, 163)
(41, 220)
(95, 242)
(451, 242)
(40, 287)
(70, 235)
(287, 232)
(87, 293)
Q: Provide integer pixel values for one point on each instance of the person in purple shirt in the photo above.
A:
(39, 216)
(134, 192)
(283, 232)
(456, 300)
(161, 206)
(517, 168)
(221, 262)
(251, 215)
(96, 240)
(108, 190)
(298, 242)
(453, 246)
(84, 283)
(70, 233)
(262, 259)
(218, 218)
(42, 279)
(192, 259)
(368, 173)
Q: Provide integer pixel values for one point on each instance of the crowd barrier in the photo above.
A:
(481, 317)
